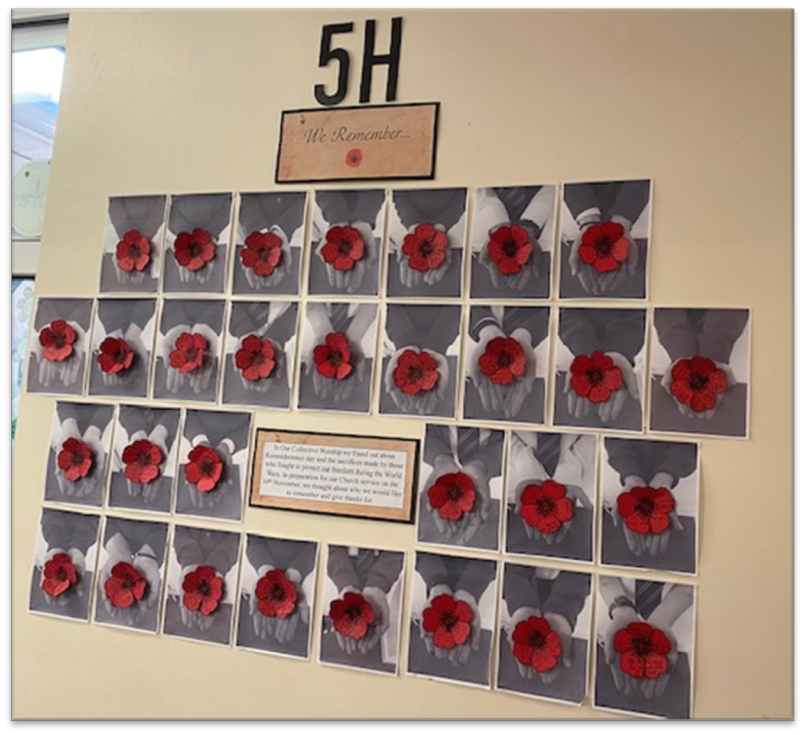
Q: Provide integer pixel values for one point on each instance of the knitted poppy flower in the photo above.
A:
(545, 506)
(59, 575)
(604, 247)
(193, 250)
(255, 358)
(262, 253)
(126, 585)
(452, 495)
(416, 372)
(503, 360)
(115, 355)
(352, 615)
(188, 352)
(333, 357)
(75, 459)
(536, 644)
(697, 382)
(449, 621)
(204, 468)
(509, 249)
(142, 459)
(646, 509)
(343, 247)
(426, 248)
(643, 650)
(133, 252)
(276, 594)
(203, 589)
(354, 158)
(58, 339)
(595, 376)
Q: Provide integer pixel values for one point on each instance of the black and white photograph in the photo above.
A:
(131, 569)
(201, 585)
(644, 647)
(133, 244)
(600, 368)
(550, 496)
(337, 356)
(512, 242)
(146, 445)
(421, 350)
(59, 343)
(506, 363)
(78, 455)
(604, 233)
(461, 487)
(346, 242)
(361, 609)
(188, 350)
(65, 553)
(700, 364)
(269, 243)
(122, 345)
(452, 611)
(277, 594)
(544, 636)
(197, 243)
(213, 464)
(650, 499)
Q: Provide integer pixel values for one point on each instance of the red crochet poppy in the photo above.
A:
(697, 382)
(115, 355)
(449, 621)
(595, 376)
(59, 575)
(343, 247)
(126, 585)
(255, 358)
(503, 360)
(333, 357)
(262, 253)
(352, 615)
(203, 590)
(536, 644)
(643, 650)
(646, 509)
(354, 158)
(604, 247)
(193, 250)
(75, 459)
(133, 251)
(204, 468)
(426, 248)
(276, 594)
(545, 506)
(188, 352)
(509, 249)
(58, 339)
(142, 460)
(452, 495)
(416, 372)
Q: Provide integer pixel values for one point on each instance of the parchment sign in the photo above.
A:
(368, 477)
(358, 143)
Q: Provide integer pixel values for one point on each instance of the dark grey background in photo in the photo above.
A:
(226, 499)
(120, 314)
(148, 538)
(486, 537)
(730, 418)
(357, 401)
(85, 415)
(680, 557)
(578, 544)
(211, 212)
(281, 554)
(260, 212)
(75, 311)
(536, 288)
(139, 418)
(145, 214)
(633, 286)
(66, 531)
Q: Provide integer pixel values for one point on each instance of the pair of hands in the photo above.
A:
(281, 270)
(147, 490)
(351, 280)
(608, 411)
(93, 438)
(339, 390)
(462, 531)
(560, 626)
(411, 278)
(145, 562)
(458, 655)
(213, 498)
(132, 336)
(684, 408)
(513, 281)
(377, 599)
(424, 403)
(194, 618)
(282, 630)
(67, 371)
(600, 284)
(79, 562)
(199, 379)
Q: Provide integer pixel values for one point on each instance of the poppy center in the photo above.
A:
(192, 355)
(603, 247)
(78, 458)
(595, 376)
(537, 640)
(510, 248)
(642, 645)
(545, 506)
(203, 588)
(207, 467)
(144, 460)
(505, 359)
(454, 493)
(135, 251)
(426, 247)
(61, 574)
(127, 583)
(449, 620)
(120, 356)
(335, 358)
(196, 249)
(354, 613)
(645, 507)
(277, 592)
(344, 246)
(415, 374)
(697, 381)
(58, 339)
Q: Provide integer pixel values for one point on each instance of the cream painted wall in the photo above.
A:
(699, 101)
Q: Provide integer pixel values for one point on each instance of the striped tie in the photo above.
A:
(647, 596)
(548, 447)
